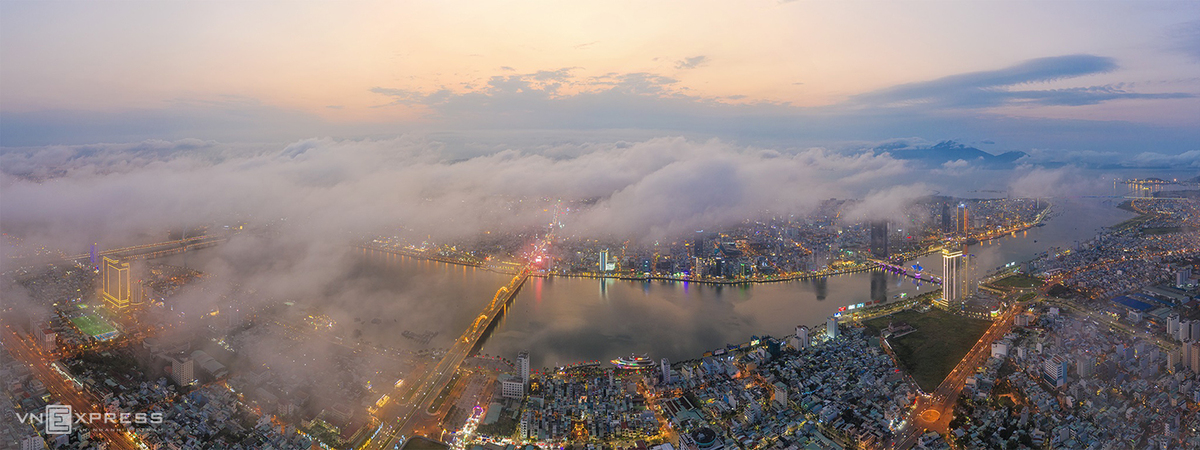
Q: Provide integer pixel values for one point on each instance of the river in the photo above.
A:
(568, 320)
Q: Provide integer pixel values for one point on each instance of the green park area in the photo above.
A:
(1018, 281)
(940, 341)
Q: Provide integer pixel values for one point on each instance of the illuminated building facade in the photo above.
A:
(953, 263)
(964, 219)
(603, 263)
(116, 291)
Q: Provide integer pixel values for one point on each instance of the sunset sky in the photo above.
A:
(1061, 75)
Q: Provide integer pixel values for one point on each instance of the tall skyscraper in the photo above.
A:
(831, 328)
(947, 223)
(666, 370)
(116, 292)
(523, 366)
(604, 260)
(1190, 356)
(964, 219)
(879, 239)
(699, 248)
(952, 278)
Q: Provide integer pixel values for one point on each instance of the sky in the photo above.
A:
(1064, 76)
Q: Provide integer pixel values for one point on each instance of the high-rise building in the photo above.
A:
(963, 221)
(1183, 276)
(831, 328)
(953, 263)
(1085, 365)
(603, 260)
(1185, 355)
(183, 370)
(1194, 360)
(700, 248)
(947, 222)
(116, 291)
(666, 370)
(523, 366)
(1055, 371)
(879, 239)
(801, 337)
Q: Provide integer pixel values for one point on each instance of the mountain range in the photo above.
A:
(948, 151)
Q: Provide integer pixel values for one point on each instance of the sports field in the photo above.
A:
(95, 327)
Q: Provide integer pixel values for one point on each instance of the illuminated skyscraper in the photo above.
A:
(831, 328)
(953, 263)
(666, 370)
(603, 260)
(879, 239)
(116, 291)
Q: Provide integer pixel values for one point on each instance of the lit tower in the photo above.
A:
(116, 284)
(604, 260)
(952, 277)
(666, 370)
(964, 221)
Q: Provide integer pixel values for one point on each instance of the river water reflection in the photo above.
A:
(565, 320)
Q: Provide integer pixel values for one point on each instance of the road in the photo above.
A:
(933, 411)
(63, 389)
(397, 418)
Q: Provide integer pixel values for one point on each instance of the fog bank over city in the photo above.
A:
(326, 190)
